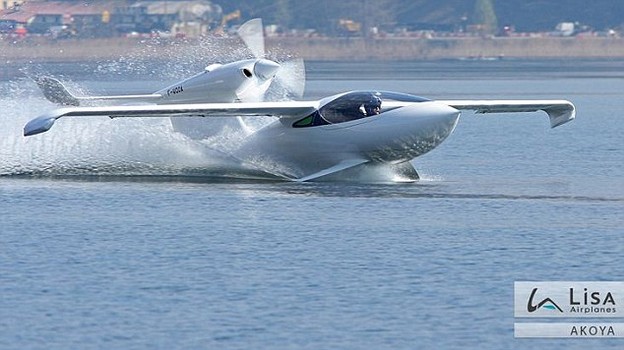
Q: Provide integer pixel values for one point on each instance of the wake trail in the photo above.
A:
(99, 145)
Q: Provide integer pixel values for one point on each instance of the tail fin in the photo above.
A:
(56, 92)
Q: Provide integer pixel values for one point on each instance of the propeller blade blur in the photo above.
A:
(291, 77)
(252, 34)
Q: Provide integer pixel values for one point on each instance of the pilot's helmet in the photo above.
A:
(373, 106)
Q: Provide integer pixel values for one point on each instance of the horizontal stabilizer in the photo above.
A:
(57, 93)
(559, 111)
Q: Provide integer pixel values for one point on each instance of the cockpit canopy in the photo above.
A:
(355, 105)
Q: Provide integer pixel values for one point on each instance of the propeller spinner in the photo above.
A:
(266, 69)
(289, 76)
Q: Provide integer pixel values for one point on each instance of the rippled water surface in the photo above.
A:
(146, 254)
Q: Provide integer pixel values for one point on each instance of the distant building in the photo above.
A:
(7, 26)
(565, 29)
(188, 18)
(4, 4)
(110, 18)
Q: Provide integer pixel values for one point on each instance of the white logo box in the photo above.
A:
(568, 299)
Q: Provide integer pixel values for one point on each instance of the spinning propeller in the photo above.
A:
(289, 80)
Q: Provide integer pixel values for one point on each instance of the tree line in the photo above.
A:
(525, 15)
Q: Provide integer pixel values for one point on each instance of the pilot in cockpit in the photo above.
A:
(373, 106)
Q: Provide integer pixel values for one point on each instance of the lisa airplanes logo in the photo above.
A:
(569, 299)
(546, 303)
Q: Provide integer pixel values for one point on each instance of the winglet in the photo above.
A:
(560, 114)
(56, 92)
(44, 122)
(38, 125)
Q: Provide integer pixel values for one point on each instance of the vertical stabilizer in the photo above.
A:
(56, 92)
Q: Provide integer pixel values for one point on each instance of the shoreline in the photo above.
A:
(324, 49)
(23, 58)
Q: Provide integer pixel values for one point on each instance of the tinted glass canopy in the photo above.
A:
(355, 105)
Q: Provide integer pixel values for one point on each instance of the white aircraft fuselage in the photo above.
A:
(245, 80)
(392, 137)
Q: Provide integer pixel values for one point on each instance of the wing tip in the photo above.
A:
(38, 125)
(561, 114)
(44, 122)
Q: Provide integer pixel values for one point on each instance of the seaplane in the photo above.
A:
(307, 140)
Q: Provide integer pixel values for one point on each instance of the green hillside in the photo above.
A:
(525, 15)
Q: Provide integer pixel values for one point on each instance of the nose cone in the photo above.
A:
(445, 114)
(442, 120)
(430, 117)
(266, 69)
(404, 133)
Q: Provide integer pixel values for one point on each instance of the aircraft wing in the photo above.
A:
(559, 111)
(290, 109)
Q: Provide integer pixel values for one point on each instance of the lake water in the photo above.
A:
(142, 255)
